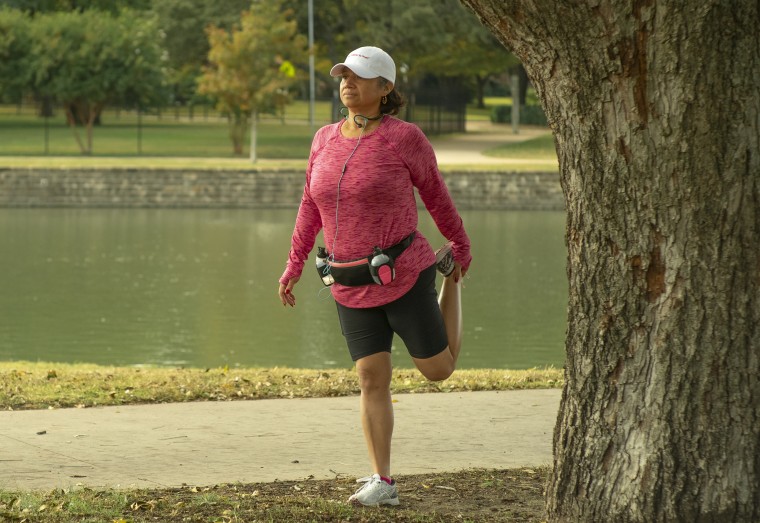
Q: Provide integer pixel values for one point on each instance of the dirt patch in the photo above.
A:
(515, 495)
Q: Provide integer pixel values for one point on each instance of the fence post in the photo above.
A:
(515, 88)
(139, 131)
(47, 135)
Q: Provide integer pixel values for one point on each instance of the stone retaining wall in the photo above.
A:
(259, 188)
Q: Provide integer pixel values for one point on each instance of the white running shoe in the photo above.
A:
(375, 492)
(444, 259)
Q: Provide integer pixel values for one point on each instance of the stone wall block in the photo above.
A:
(244, 188)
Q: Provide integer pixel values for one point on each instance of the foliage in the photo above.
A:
(244, 75)
(40, 6)
(429, 36)
(183, 22)
(529, 114)
(15, 45)
(438, 37)
(86, 60)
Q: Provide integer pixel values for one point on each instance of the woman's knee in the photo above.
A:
(437, 368)
(374, 374)
(438, 373)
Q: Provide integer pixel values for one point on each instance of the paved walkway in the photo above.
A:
(261, 441)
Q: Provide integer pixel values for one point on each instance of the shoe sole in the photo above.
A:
(392, 502)
(440, 255)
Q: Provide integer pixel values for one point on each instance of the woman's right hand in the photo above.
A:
(286, 292)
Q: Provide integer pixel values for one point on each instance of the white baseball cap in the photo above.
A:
(368, 62)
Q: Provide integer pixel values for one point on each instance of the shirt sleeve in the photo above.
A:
(435, 194)
(308, 224)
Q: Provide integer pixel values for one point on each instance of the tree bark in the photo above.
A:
(238, 125)
(254, 136)
(655, 109)
(71, 120)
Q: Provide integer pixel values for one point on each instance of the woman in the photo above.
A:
(359, 188)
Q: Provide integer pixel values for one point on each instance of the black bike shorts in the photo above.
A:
(415, 317)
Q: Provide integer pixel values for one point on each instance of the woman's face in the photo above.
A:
(361, 94)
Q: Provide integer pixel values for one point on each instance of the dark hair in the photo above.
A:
(395, 100)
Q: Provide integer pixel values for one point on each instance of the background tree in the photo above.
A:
(183, 23)
(43, 6)
(244, 75)
(459, 46)
(15, 47)
(86, 60)
(438, 37)
(655, 109)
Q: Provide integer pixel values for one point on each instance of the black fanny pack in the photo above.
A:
(378, 267)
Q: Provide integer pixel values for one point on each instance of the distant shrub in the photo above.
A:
(529, 114)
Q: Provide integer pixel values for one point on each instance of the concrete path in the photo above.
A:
(261, 441)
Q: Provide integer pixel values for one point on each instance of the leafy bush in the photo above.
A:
(529, 114)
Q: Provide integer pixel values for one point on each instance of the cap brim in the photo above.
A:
(361, 72)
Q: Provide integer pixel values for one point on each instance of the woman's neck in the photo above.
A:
(360, 123)
(361, 119)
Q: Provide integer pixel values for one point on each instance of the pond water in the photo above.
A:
(198, 288)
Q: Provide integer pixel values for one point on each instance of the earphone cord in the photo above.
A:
(331, 256)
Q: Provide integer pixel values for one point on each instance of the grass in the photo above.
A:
(539, 148)
(147, 162)
(24, 135)
(484, 496)
(175, 141)
(39, 385)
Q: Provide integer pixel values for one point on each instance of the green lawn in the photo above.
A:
(539, 148)
(28, 135)
(179, 139)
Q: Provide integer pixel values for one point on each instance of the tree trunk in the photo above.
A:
(655, 108)
(238, 126)
(71, 120)
(480, 87)
(524, 81)
(93, 114)
(254, 123)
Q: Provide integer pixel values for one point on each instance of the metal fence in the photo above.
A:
(28, 129)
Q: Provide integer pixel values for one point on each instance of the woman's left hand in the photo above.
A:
(458, 273)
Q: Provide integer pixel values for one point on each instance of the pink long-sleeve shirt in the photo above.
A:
(375, 206)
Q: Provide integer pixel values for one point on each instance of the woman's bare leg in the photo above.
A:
(450, 302)
(377, 409)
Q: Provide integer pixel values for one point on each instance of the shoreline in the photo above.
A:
(49, 385)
